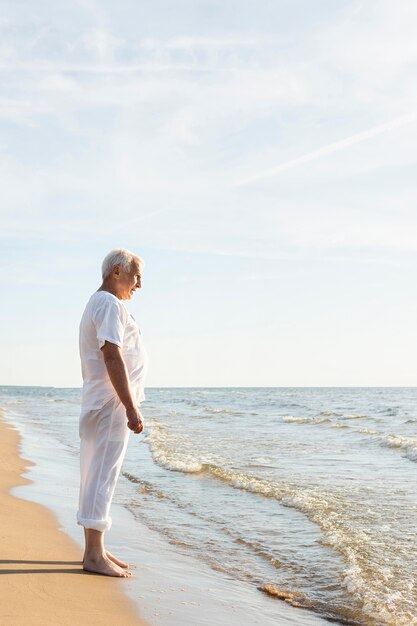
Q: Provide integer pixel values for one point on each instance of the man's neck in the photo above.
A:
(106, 286)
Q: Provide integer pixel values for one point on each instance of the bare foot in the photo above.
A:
(113, 558)
(118, 562)
(103, 565)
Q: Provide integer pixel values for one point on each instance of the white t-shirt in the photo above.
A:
(106, 318)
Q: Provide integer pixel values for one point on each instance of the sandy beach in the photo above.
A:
(43, 581)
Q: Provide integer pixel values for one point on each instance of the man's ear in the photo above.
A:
(116, 271)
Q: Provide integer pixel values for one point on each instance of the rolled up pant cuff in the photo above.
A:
(95, 524)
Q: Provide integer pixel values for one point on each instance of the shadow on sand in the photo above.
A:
(41, 570)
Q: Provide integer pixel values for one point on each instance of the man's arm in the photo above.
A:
(117, 371)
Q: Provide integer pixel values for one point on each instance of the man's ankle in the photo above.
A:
(94, 555)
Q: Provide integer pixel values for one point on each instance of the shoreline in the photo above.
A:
(51, 587)
(168, 587)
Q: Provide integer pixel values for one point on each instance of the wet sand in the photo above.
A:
(42, 581)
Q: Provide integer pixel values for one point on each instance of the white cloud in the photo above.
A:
(188, 43)
(350, 228)
(20, 111)
(102, 44)
(376, 42)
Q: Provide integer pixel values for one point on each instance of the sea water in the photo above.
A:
(307, 495)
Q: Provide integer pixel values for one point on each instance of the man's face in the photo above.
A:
(128, 282)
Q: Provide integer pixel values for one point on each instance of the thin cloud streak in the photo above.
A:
(330, 148)
(119, 69)
(190, 43)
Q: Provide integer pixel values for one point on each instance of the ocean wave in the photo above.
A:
(407, 444)
(347, 416)
(216, 411)
(343, 519)
(322, 418)
(344, 416)
(292, 597)
(262, 460)
(368, 431)
(295, 598)
(166, 453)
(145, 486)
(305, 420)
(332, 513)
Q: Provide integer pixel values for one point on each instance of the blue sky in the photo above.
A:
(260, 156)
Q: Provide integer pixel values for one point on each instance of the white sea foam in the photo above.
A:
(368, 431)
(352, 417)
(220, 410)
(330, 510)
(332, 513)
(165, 451)
(305, 420)
(369, 575)
(263, 460)
(408, 444)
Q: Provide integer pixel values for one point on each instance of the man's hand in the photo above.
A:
(134, 420)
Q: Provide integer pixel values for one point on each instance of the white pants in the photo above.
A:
(104, 436)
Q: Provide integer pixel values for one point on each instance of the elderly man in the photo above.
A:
(114, 363)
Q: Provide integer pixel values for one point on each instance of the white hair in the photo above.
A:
(122, 257)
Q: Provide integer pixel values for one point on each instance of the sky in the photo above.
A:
(259, 155)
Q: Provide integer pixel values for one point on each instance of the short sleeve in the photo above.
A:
(109, 323)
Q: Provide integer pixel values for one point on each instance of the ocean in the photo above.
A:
(305, 496)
